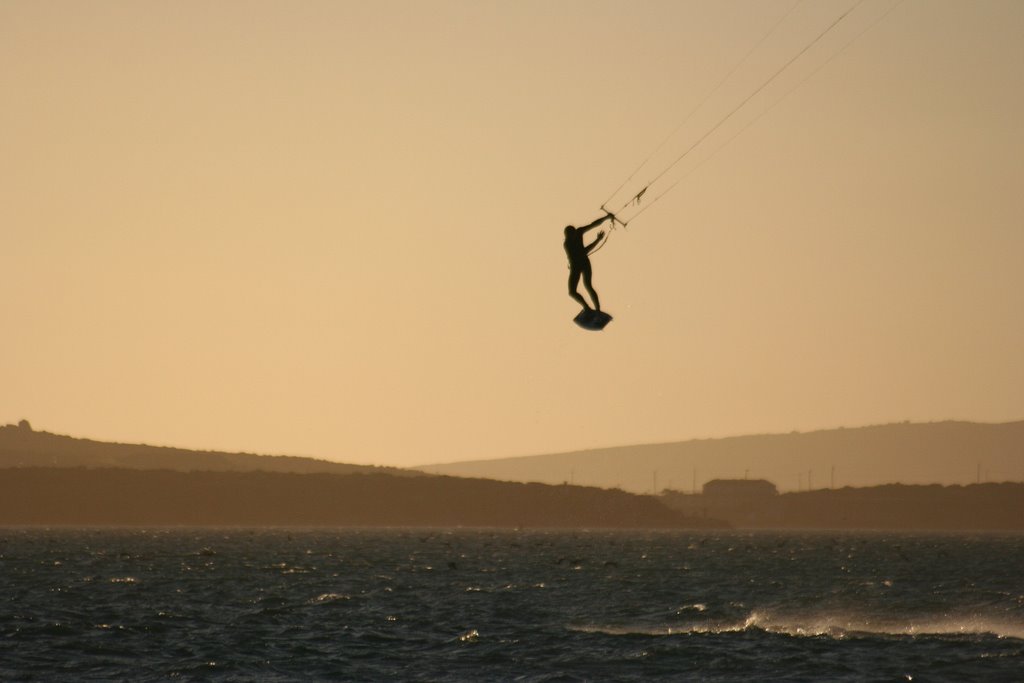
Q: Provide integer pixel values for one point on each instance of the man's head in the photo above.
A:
(569, 230)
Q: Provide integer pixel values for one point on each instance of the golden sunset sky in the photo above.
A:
(334, 228)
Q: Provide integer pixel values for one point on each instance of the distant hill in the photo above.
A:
(127, 497)
(48, 479)
(910, 453)
(21, 446)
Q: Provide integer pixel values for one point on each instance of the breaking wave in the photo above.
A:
(829, 626)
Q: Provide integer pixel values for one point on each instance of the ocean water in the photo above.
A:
(476, 605)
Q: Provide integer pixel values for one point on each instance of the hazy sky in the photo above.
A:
(334, 228)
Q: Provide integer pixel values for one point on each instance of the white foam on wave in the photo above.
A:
(828, 626)
(695, 607)
(657, 630)
(852, 626)
(325, 598)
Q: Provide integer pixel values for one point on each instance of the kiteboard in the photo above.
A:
(589, 319)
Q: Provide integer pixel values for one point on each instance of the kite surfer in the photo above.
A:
(579, 260)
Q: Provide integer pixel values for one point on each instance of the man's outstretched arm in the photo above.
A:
(593, 225)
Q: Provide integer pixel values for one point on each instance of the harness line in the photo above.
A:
(700, 105)
(726, 118)
(769, 108)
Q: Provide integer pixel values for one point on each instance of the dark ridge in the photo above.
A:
(124, 497)
(20, 446)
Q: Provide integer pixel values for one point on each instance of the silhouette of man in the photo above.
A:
(579, 260)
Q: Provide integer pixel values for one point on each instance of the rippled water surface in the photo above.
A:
(503, 605)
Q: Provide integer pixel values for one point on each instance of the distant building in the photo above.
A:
(745, 502)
